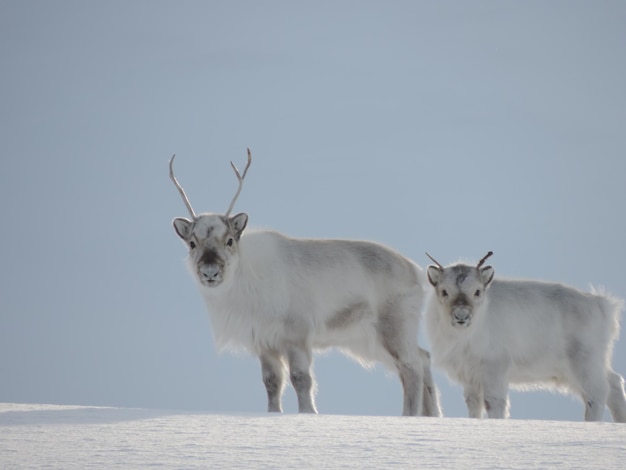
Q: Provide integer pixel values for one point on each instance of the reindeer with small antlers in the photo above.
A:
(489, 334)
(281, 298)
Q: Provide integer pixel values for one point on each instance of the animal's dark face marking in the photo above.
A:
(461, 300)
(460, 278)
(210, 256)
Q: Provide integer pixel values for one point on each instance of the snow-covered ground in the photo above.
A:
(51, 436)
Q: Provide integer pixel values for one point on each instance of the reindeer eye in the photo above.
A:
(192, 244)
(444, 293)
(229, 242)
(477, 293)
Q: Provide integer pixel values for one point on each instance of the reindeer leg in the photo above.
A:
(300, 359)
(617, 398)
(399, 340)
(431, 405)
(474, 400)
(273, 372)
(495, 390)
(413, 388)
(591, 379)
(497, 401)
(595, 394)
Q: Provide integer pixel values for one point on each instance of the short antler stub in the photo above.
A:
(483, 259)
(434, 261)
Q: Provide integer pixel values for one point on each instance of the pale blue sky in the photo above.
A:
(453, 127)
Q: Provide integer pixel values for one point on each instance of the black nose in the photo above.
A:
(209, 256)
(209, 272)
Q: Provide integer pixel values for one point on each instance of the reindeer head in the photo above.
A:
(460, 289)
(212, 239)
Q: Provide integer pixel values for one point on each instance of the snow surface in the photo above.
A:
(53, 436)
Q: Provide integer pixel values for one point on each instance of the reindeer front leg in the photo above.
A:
(300, 359)
(497, 401)
(273, 372)
(495, 390)
(474, 400)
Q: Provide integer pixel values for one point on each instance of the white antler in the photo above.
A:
(180, 189)
(240, 178)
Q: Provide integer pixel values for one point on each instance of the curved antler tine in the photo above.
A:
(434, 261)
(180, 188)
(483, 259)
(240, 178)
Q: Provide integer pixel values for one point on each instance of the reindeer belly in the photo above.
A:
(545, 371)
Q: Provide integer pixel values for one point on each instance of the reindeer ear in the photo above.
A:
(182, 227)
(486, 275)
(434, 274)
(238, 223)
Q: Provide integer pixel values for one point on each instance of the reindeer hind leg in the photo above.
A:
(617, 397)
(431, 406)
(590, 379)
(400, 342)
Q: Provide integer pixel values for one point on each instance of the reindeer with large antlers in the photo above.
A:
(489, 334)
(281, 298)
